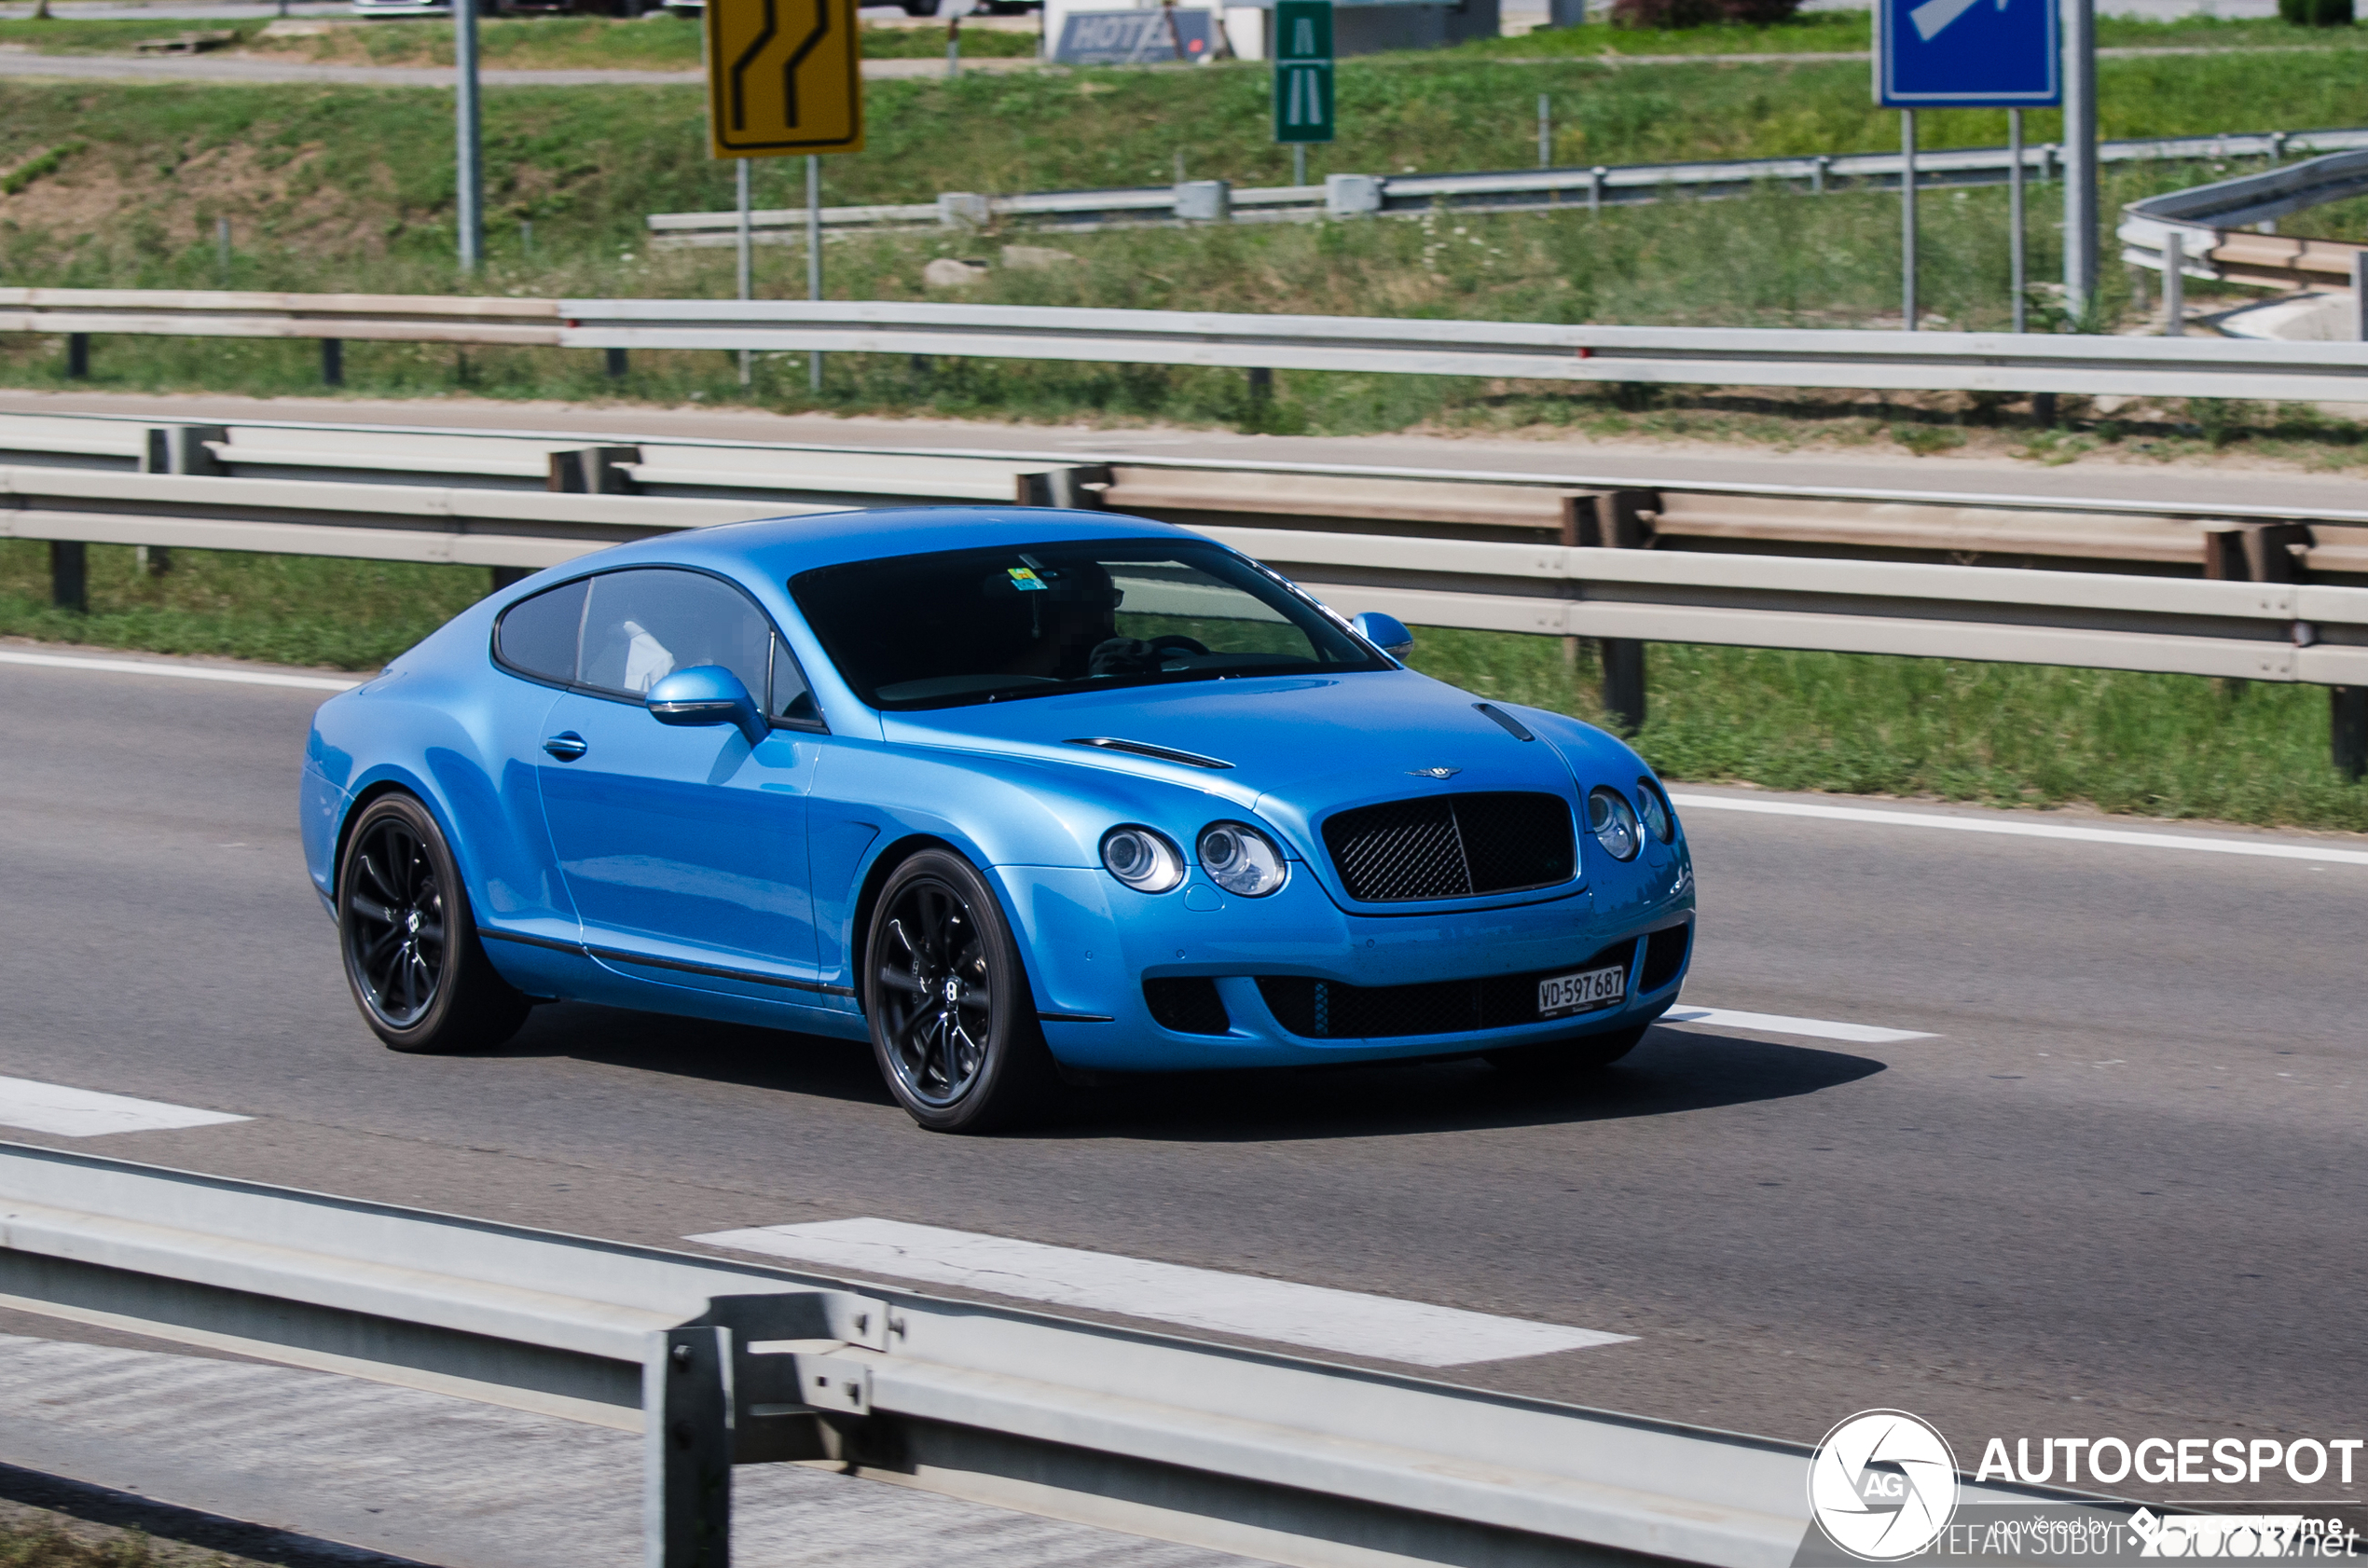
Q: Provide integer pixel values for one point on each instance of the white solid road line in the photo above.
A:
(1343, 1321)
(180, 672)
(1777, 1024)
(2269, 848)
(84, 1113)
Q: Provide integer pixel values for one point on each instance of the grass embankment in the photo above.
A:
(2151, 745)
(657, 41)
(1852, 32)
(353, 185)
(31, 1538)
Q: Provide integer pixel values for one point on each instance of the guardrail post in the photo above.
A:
(2348, 714)
(77, 356)
(176, 450)
(2174, 285)
(70, 575)
(615, 364)
(2359, 296)
(1077, 489)
(686, 1449)
(593, 470)
(1619, 524)
(333, 361)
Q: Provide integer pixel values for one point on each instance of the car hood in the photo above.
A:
(1300, 746)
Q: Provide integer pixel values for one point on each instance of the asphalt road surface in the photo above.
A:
(2117, 1189)
(1638, 463)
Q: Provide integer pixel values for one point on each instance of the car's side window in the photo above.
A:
(643, 624)
(538, 635)
(793, 702)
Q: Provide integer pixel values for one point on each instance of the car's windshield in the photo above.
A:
(988, 625)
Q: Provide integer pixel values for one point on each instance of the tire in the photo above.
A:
(952, 1019)
(920, 8)
(1566, 1061)
(409, 940)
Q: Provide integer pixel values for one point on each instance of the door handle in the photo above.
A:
(567, 746)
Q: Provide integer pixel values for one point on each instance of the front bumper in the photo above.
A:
(1092, 944)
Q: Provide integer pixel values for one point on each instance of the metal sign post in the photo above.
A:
(2080, 156)
(1963, 54)
(469, 170)
(785, 77)
(1908, 219)
(1302, 77)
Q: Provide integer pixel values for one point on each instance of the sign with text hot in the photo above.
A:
(1941, 54)
(783, 77)
(1303, 70)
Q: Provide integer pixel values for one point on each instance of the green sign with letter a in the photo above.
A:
(1303, 70)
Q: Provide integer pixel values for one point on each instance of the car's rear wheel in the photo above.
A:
(952, 1020)
(1564, 1060)
(411, 952)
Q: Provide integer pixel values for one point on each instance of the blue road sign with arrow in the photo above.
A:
(1965, 54)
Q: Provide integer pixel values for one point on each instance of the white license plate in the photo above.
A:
(1577, 993)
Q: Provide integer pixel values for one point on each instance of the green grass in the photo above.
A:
(2009, 734)
(29, 1538)
(1852, 32)
(657, 41)
(2166, 746)
(291, 610)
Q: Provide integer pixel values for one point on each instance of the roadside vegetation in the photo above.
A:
(120, 186)
(2150, 745)
(33, 1538)
(656, 42)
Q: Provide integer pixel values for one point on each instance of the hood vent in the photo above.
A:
(1145, 749)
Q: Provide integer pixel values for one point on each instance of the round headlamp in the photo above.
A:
(1659, 819)
(1613, 821)
(1241, 860)
(1141, 858)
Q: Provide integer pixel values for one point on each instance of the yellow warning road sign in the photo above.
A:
(783, 77)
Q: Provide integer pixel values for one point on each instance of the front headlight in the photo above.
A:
(1659, 819)
(1613, 821)
(1241, 860)
(1141, 858)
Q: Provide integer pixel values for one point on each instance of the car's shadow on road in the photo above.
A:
(1672, 1071)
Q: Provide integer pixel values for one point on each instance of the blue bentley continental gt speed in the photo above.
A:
(1009, 792)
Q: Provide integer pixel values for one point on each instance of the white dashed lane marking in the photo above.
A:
(1343, 1321)
(1777, 1024)
(85, 1113)
(180, 672)
(2276, 849)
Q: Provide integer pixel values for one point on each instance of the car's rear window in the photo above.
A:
(988, 625)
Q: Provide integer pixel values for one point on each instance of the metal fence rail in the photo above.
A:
(1530, 350)
(2207, 221)
(1699, 562)
(720, 1363)
(1507, 190)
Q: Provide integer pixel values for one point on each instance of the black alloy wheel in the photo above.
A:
(953, 1018)
(411, 951)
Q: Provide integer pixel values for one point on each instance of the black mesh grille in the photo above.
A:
(1451, 846)
(1189, 1005)
(1327, 1009)
(1665, 956)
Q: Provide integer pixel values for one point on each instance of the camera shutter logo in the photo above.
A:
(1882, 1485)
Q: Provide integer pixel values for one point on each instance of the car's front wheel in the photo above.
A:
(411, 951)
(952, 1020)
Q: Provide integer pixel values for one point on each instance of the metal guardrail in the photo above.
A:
(1530, 350)
(720, 1363)
(2208, 220)
(1507, 190)
(1710, 554)
(1716, 356)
